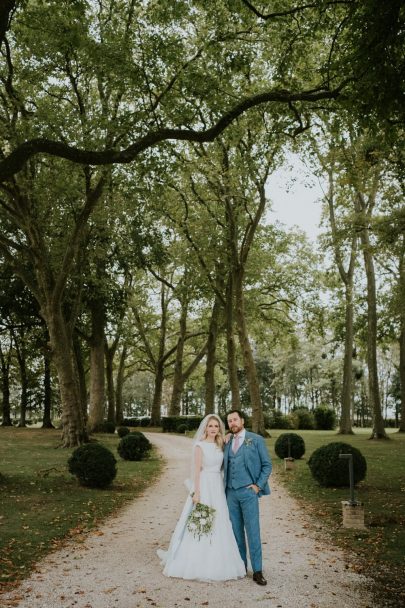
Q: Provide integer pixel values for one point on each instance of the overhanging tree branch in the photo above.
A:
(13, 163)
(291, 11)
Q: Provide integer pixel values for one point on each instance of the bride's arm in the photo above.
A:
(197, 471)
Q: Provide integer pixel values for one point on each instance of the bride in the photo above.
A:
(212, 556)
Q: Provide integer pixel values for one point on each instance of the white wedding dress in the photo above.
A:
(214, 557)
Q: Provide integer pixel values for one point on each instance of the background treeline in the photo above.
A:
(139, 273)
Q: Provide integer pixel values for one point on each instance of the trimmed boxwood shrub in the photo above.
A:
(325, 418)
(122, 431)
(297, 445)
(94, 465)
(134, 446)
(330, 470)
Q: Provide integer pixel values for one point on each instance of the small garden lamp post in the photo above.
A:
(353, 511)
(289, 463)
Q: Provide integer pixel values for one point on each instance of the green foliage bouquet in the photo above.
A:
(201, 520)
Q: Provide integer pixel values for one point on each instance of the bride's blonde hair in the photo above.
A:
(219, 437)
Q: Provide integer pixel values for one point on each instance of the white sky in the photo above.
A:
(295, 197)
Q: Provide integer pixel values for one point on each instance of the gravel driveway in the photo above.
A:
(117, 565)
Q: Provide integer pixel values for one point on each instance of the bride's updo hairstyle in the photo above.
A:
(219, 438)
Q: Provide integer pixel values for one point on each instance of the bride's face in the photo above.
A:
(212, 429)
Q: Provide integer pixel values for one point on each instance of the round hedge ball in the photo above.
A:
(182, 428)
(330, 470)
(93, 464)
(297, 446)
(134, 446)
(122, 431)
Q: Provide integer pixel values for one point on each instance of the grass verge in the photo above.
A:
(41, 504)
(379, 551)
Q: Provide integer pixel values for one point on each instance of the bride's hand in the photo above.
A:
(195, 497)
(227, 437)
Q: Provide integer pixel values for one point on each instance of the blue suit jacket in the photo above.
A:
(256, 459)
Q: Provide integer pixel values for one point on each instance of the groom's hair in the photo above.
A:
(240, 414)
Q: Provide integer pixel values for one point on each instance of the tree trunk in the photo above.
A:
(109, 352)
(5, 385)
(231, 347)
(46, 419)
(402, 342)
(81, 374)
(178, 380)
(248, 360)
(209, 376)
(119, 415)
(345, 426)
(22, 363)
(97, 372)
(378, 431)
(159, 363)
(73, 426)
(157, 394)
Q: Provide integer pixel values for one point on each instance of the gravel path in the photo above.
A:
(117, 565)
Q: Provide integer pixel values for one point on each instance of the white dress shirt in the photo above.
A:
(241, 436)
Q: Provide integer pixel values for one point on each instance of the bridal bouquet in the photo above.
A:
(201, 520)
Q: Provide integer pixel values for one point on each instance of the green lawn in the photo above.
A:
(41, 503)
(380, 550)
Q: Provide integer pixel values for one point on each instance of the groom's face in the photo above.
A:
(235, 423)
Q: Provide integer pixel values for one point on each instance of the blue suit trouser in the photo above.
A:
(243, 505)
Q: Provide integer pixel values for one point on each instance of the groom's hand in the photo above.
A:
(255, 488)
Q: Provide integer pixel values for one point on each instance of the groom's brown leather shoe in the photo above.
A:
(259, 578)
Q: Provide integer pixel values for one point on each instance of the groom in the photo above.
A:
(247, 467)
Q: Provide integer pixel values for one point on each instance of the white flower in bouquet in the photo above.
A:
(200, 522)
